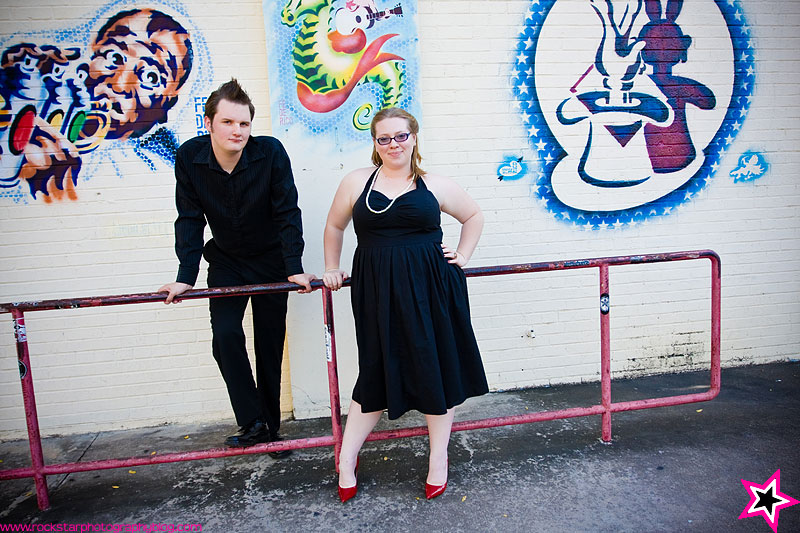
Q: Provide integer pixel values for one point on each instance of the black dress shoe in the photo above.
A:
(279, 454)
(253, 433)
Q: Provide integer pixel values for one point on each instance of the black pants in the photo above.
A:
(260, 398)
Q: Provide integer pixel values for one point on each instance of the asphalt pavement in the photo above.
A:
(667, 469)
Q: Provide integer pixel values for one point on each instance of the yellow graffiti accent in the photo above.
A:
(5, 115)
(86, 143)
(56, 119)
(362, 117)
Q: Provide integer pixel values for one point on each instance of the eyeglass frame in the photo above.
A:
(408, 134)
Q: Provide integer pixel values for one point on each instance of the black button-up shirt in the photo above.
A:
(251, 211)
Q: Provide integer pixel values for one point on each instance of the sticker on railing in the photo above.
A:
(23, 370)
(328, 346)
(605, 304)
(576, 263)
(19, 330)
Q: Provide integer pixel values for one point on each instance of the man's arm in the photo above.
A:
(287, 216)
(189, 228)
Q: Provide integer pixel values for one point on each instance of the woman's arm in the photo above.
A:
(338, 218)
(455, 201)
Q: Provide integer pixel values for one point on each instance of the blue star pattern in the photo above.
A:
(549, 152)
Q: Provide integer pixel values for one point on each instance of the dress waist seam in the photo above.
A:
(392, 243)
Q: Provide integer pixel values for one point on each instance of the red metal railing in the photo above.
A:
(39, 470)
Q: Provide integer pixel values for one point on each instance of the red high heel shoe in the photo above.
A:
(432, 491)
(345, 493)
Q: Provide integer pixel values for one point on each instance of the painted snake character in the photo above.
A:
(329, 65)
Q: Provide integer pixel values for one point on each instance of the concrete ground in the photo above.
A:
(667, 469)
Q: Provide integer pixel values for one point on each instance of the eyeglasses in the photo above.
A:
(399, 138)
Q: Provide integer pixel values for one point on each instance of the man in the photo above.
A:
(243, 187)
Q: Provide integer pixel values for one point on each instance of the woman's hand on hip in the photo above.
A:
(453, 256)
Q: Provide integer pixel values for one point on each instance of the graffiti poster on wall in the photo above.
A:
(335, 63)
(71, 98)
(632, 119)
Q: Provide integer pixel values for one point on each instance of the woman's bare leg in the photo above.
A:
(356, 430)
(439, 427)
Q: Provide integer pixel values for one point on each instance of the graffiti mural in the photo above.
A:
(86, 93)
(752, 166)
(635, 122)
(334, 63)
(512, 168)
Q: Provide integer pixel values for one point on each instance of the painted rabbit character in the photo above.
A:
(670, 147)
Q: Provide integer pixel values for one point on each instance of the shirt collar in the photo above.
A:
(252, 152)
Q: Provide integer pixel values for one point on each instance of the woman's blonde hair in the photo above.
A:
(413, 127)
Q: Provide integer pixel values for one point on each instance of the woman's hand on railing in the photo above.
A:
(333, 278)
(174, 289)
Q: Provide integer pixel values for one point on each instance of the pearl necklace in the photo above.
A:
(372, 185)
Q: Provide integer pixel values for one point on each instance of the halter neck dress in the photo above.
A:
(416, 346)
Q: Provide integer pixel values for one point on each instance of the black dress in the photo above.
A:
(416, 347)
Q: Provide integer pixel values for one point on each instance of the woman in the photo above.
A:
(416, 347)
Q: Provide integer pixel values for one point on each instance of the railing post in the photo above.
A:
(716, 318)
(29, 400)
(605, 352)
(333, 374)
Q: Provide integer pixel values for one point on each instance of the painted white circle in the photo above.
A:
(565, 59)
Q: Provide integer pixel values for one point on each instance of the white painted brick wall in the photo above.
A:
(121, 366)
(139, 365)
